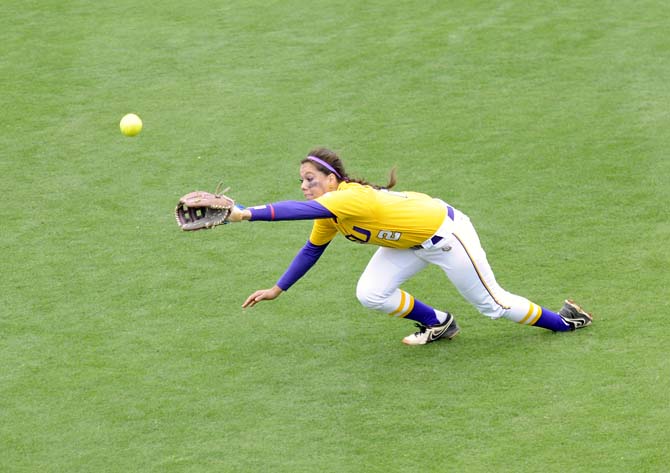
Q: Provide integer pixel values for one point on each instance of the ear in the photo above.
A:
(332, 181)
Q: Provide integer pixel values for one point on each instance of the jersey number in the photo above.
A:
(363, 232)
(389, 235)
(363, 235)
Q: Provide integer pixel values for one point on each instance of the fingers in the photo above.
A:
(262, 295)
(249, 302)
(253, 299)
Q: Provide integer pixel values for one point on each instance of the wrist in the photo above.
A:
(237, 215)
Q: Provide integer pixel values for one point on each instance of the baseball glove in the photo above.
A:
(201, 210)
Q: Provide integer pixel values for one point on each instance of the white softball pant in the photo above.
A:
(463, 260)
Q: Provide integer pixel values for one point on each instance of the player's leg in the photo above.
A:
(379, 287)
(464, 261)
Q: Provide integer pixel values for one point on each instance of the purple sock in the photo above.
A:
(552, 321)
(422, 313)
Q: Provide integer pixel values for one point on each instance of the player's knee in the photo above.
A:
(494, 313)
(369, 298)
(492, 310)
(489, 308)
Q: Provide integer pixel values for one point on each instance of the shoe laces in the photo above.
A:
(422, 329)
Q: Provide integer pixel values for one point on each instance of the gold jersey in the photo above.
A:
(377, 216)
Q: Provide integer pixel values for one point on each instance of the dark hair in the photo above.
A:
(334, 160)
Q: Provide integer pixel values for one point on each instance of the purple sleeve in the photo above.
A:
(290, 210)
(303, 261)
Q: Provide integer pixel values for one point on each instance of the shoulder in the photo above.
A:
(346, 190)
(349, 199)
(352, 187)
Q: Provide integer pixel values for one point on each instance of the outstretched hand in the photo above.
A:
(262, 295)
(237, 214)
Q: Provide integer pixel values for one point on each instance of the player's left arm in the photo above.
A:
(278, 211)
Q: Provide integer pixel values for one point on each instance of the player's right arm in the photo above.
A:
(302, 262)
(309, 254)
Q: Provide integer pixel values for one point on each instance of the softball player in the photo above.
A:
(412, 231)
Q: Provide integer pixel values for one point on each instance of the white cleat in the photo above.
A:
(426, 334)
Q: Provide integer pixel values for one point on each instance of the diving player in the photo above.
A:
(412, 231)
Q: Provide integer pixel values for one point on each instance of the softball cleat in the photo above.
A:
(426, 334)
(575, 315)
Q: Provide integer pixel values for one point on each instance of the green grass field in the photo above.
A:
(123, 346)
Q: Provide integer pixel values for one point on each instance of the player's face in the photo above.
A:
(314, 183)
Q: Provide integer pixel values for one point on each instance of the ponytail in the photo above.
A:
(329, 162)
